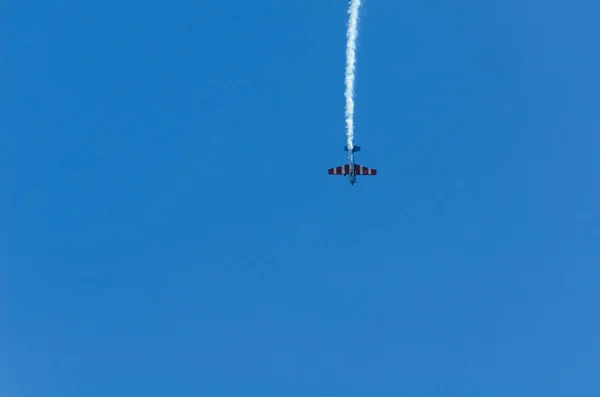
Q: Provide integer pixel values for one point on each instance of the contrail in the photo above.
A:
(350, 66)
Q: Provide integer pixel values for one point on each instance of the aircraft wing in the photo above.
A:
(341, 170)
(360, 170)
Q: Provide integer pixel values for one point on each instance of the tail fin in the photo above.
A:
(354, 149)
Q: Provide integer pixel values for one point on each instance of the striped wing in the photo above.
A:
(341, 170)
(360, 170)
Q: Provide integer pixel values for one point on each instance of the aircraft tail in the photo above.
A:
(354, 148)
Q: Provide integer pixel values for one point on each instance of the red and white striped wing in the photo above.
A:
(360, 170)
(341, 170)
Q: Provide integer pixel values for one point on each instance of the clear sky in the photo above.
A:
(168, 227)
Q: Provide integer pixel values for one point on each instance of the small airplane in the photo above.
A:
(352, 169)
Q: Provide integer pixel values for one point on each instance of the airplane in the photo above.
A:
(352, 169)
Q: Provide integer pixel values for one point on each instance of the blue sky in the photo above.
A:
(168, 226)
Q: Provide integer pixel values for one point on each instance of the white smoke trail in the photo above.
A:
(350, 67)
